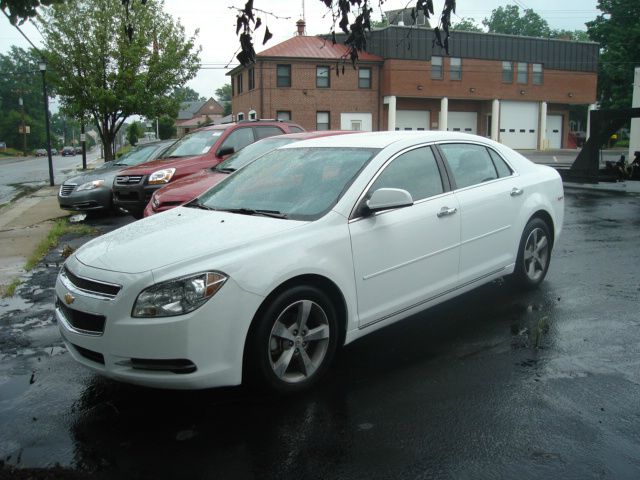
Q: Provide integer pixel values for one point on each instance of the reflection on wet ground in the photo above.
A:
(495, 384)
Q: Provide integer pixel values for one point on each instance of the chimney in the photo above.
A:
(301, 27)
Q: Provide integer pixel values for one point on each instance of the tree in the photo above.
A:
(508, 20)
(166, 127)
(575, 35)
(187, 94)
(466, 25)
(106, 74)
(223, 95)
(618, 31)
(134, 132)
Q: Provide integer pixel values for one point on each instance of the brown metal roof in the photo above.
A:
(314, 47)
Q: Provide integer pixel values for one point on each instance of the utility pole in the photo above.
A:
(84, 145)
(43, 70)
(24, 128)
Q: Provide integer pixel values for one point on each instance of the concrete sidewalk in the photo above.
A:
(23, 225)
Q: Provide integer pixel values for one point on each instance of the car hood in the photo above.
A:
(189, 187)
(107, 174)
(160, 240)
(150, 167)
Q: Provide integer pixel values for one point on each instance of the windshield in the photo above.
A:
(196, 143)
(249, 153)
(296, 183)
(140, 154)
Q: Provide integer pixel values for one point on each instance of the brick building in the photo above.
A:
(195, 114)
(516, 90)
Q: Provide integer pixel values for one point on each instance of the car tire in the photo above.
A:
(294, 341)
(534, 255)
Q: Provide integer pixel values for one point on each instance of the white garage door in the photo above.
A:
(554, 131)
(359, 121)
(519, 124)
(412, 120)
(462, 122)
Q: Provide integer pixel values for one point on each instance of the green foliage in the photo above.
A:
(575, 35)
(384, 22)
(223, 94)
(617, 29)
(508, 20)
(466, 25)
(166, 127)
(21, 10)
(186, 94)
(134, 132)
(105, 75)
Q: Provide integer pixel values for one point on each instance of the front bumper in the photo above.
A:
(97, 199)
(201, 349)
(134, 198)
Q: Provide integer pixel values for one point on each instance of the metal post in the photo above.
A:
(84, 146)
(43, 69)
(24, 127)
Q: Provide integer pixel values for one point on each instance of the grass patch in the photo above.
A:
(9, 290)
(61, 227)
(11, 152)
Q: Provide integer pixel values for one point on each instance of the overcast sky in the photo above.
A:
(216, 21)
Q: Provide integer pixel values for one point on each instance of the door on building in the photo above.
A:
(519, 124)
(466, 122)
(356, 121)
(554, 131)
(412, 119)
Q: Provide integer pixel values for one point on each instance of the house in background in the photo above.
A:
(196, 114)
(516, 90)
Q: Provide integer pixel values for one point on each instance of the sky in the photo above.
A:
(215, 20)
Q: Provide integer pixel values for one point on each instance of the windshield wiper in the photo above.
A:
(199, 205)
(225, 170)
(251, 211)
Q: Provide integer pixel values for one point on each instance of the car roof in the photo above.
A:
(224, 126)
(384, 139)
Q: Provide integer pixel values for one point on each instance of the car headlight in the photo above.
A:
(90, 185)
(161, 176)
(179, 296)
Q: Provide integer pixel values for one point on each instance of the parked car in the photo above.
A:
(41, 152)
(189, 187)
(78, 150)
(195, 151)
(91, 191)
(308, 248)
(68, 151)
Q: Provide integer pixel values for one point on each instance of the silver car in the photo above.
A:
(91, 191)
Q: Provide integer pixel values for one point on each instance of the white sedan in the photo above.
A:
(307, 249)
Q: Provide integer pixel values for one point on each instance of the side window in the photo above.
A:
(238, 139)
(293, 129)
(415, 171)
(501, 165)
(264, 132)
(470, 164)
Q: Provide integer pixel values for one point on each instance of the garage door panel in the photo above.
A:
(519, 124)
(554, 131)
(412, 119)
(466, 122)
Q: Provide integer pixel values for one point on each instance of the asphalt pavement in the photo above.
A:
(494, 384)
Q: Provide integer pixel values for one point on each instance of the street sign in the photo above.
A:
(27, 129)
(83, 137)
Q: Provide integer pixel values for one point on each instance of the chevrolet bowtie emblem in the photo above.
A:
(69, 299)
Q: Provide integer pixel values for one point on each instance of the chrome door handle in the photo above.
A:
(515, 191)
(445, 211)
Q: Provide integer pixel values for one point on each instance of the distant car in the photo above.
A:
(3, 145)
(78, 150)
(202, 148)
(68, 151)
(41, 152)
(91, 191)
(191, 186)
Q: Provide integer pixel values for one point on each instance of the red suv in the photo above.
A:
(203, 148)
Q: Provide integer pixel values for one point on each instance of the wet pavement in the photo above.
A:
(495, 384)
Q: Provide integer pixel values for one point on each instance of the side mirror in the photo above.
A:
(387, 198)
(225, 151)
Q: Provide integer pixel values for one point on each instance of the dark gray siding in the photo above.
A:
(409, 43)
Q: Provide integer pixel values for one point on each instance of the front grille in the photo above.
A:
(67, 188)
(82, 321)
(93, 287)
(179, 365)
(89, 354)
(128, 179)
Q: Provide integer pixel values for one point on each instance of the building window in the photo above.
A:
(323, 77)
(322, 121)
(252, 114)
(537, 73)
(455, 68)
(523, 74)
(507, 72)
(284, 76)
(239, 84)
(436, 68)
(364, 78)
(252, 79)
(284, 115)
(240, 116)
(233, 88)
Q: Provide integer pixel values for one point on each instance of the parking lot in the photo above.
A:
(495, 384)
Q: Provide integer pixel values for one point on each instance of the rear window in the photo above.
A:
(196, 143)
